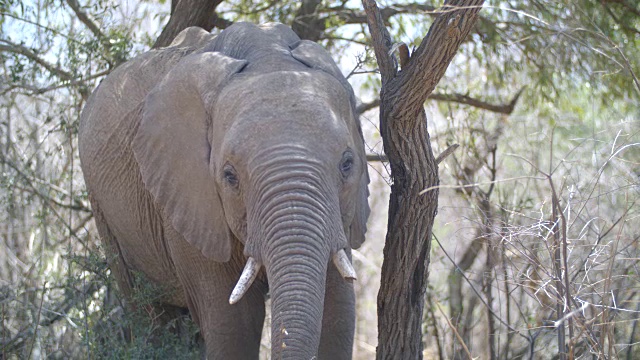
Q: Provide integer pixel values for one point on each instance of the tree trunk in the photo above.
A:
(306, 24)
(186, 13)
(403, 126)
(407, 247)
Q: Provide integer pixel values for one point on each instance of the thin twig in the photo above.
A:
(562, 302)
(4, 333)
(455, 331)
(37, 323)
(480, 183)
(511, 328)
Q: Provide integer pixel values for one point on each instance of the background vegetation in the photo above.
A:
(536, 242)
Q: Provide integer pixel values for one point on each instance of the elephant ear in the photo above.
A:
(358, 227)
(172, 149)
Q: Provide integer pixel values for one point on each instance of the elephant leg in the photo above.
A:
(114, 255)
(229, 331)
(338, 320)
(233, 331)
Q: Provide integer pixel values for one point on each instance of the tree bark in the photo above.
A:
(403, 126)
(186, 13)
(306, 23)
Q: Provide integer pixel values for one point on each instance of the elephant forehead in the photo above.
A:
(291, 107)
(309, 125)
(287, 88)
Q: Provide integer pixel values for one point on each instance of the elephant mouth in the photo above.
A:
(252, 268)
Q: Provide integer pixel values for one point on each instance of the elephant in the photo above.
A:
(231, 168)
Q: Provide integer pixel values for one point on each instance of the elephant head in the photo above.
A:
(266, 151)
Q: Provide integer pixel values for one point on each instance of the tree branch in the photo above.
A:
(383, 158)
(79, 206)
(364, 107)
(448, 151)
(430, 61)
(625, 4)
(377, 158)
(356, 16)
(306, 23)
(505, 109)
(219, 22)
(28, 53)
(381, 41)
(60, 311)
(351, 16)
(33, 90)
(85, 19)
(188, 13)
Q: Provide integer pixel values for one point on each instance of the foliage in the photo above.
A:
(143, 333)
(573, 133)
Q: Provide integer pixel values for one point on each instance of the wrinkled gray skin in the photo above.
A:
(217, 148)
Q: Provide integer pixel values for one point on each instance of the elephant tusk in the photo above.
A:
(249, 274)
(343, 264)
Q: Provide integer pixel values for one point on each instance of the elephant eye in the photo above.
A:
(346, 165)
(230, 176)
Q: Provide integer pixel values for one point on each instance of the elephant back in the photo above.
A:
(266, 48)
(121, 93)
(108, 124)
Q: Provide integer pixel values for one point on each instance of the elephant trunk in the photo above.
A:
(298, 244)
(294, 229)
(297, 286)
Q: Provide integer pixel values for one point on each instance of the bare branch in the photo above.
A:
(377, 158)
(306, 23)
(625, 4)
(41, 26)
(23, 50)
(89, 23)
(455, 331)
(351, 16)
(219, 22)
(95, 29)
(364, 107)
(34, 189)
(60, 311)
(448, 151)
(381, 41)
(505, 109)
(33, 90)
(507, 325)
(430, 61)
(383, 158)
